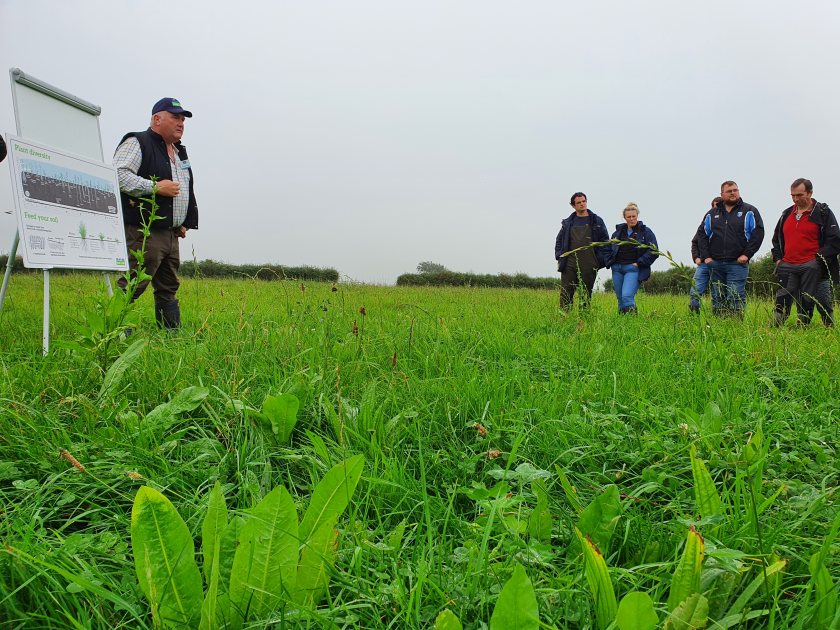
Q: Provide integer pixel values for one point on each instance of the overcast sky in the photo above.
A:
(371, 135)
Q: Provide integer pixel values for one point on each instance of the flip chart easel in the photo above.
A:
(49, 115)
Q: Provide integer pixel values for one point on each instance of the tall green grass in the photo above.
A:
(458, 398)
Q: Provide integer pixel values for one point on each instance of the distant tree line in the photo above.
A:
(436, 275)
(215, 269)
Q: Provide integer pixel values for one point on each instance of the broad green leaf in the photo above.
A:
(752, 587)
(447, 620)
(824, 591)
(686, 578)
(115, 373)
(771, 499)
(636, 612)
(265, 564)
(332, 418)
(211, 542)
(320, 447)
(317, 557)
(598, 578)
(569, 490)
(539, 521)
(186, 400)
(395, 538)
(281, 411)
(331, 496)
(516, 607)
(522, 474)
(705, 494)
(227, 550)
(691, 614)
(600, 517)
(164, 560)
(214, 526)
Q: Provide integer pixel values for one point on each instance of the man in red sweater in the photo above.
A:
(806, 243)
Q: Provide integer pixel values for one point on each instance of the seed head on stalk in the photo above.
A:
(65, 454)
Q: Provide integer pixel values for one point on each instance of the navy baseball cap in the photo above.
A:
(172, 105)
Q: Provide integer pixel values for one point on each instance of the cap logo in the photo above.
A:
(176, 103)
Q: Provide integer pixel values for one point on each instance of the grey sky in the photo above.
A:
(368, 136)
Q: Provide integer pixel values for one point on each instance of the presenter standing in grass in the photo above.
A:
(578, 232)
(158, 152)
(631, 259)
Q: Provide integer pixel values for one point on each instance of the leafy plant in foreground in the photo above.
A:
(254, 564)
(99, 336)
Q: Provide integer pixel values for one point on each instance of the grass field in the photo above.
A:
(491, 427)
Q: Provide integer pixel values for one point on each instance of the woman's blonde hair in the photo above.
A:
(630, 206)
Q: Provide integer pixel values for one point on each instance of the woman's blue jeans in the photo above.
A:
(626, 283)
(699, 286)
(729, 286)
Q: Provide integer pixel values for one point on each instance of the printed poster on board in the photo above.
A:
(68, 209)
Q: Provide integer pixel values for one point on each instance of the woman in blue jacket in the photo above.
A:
(630, 262)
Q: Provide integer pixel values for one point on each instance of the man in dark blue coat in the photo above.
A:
(578, 261)
(728, 237)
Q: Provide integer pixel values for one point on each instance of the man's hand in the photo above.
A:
(180, 231)
(698, 260)
(167, 188)
(743, 259)
(708, 260)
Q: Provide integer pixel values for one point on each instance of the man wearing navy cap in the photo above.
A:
(158, 152)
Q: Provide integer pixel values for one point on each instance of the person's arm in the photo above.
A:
(2, 149)
(127, 161)
(777, 250)
(695, 252)
(702, 237)
(649, 256)
(558, 243)
(755, 236)
(602, 252)
(831, 235)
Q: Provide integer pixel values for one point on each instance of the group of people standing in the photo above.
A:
(806, 244)
(584, 246)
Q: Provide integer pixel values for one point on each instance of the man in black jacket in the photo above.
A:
(577, 233)
(806, 243)
(155, 161)
(729, 235)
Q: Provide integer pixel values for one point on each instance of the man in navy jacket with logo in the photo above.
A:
(728, 237)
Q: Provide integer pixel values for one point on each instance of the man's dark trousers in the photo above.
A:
(574, 277)
(162, 261)
(798, 283)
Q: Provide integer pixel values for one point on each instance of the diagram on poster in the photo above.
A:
(68, 209)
